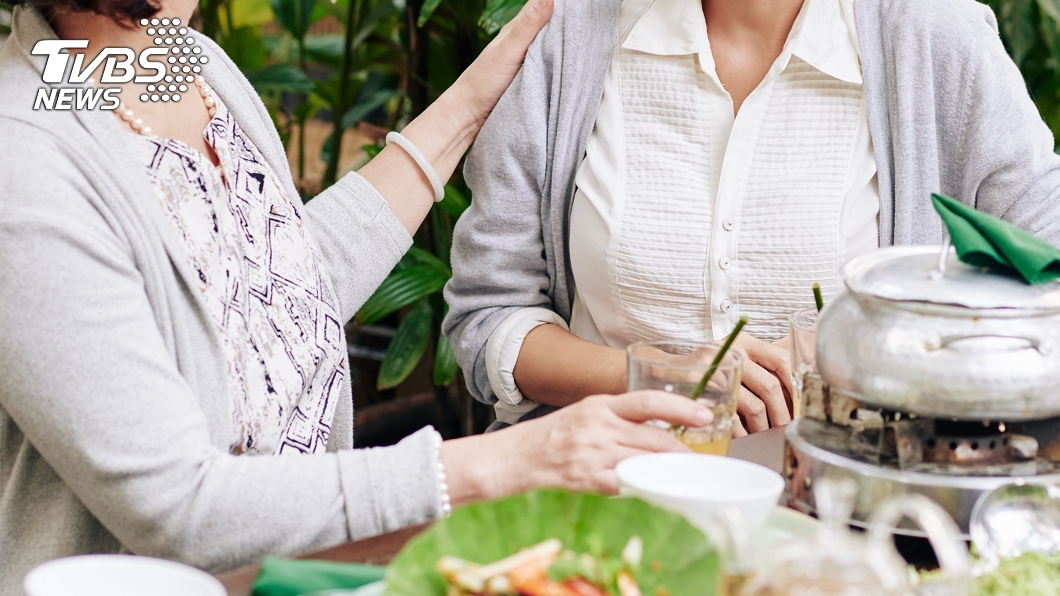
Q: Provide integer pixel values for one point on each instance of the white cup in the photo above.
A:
(119, 575)
(699, 486)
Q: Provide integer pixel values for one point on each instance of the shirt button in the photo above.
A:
(726, 305)
(724, 262)
(728, 224)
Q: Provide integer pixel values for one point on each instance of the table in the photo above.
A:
(765, 448)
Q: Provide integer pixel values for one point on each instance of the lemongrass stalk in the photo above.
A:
(698, 390)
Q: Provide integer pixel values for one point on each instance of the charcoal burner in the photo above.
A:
(888, 452)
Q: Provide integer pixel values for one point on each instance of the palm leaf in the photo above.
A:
(445, 365)
(400, 289)
(407, 347)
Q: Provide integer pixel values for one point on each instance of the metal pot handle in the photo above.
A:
(1034, 343)
(941, 531)
(943, 256)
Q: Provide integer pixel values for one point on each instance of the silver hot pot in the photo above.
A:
(923, 333)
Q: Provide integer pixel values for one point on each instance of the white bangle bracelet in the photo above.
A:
(417, 156)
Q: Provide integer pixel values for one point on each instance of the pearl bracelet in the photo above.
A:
(443, 486)
(418, 157)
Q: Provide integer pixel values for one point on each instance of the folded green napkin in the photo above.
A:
(983, 240)
(291, 577)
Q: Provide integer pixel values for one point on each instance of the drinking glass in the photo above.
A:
(803, 352)
(677, 367)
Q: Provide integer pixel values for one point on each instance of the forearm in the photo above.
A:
(558, 368)
(443, 132)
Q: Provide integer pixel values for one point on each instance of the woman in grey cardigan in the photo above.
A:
(171, 316)
(659, 169)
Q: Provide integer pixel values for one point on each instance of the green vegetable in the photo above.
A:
(698, 389)
(817, 298)
(685, 561)
(1030, 573)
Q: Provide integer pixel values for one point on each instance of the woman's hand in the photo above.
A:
(766, 391)
(575, 448)
(480, 86)
(445, 130)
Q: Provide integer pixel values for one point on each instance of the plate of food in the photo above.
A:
(556, 543)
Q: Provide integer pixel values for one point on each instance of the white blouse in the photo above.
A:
(687, 217)
(263, 283)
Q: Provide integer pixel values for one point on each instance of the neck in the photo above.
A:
(762, 21)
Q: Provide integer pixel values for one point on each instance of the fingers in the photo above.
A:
(753, 411)
(738, 429)
(770, 393)
(649, 439)
(641, 406)
(774, 358)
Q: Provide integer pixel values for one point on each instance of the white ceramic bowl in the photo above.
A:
(119, 575)
(697, 486)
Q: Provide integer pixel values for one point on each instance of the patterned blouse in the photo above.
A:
(263, 283)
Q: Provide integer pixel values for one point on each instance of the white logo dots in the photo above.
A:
(168, 32)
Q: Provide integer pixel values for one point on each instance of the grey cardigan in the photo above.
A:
(114, 412)
(948, 112)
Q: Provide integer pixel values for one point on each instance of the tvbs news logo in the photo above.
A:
(174, 62)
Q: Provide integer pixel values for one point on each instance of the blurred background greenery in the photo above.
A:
(337, 75)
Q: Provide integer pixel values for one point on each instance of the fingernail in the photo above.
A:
(541, 4)
(704, 416)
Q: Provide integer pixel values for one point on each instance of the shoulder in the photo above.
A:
(930, 15)
(576, 28)
(953, 42)
(937, 25)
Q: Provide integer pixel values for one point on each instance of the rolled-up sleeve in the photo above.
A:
(502, 352)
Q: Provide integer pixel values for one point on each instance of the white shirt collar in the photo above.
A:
(822, 35)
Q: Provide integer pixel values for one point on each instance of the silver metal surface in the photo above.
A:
(911, 274)
(1015, 519)
(894, 344)
(806, 463)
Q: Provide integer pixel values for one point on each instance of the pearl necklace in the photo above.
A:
(138, 125)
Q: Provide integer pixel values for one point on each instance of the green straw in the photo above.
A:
(698, 390)
(817, 297)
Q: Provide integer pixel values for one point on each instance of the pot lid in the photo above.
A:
(911, 274)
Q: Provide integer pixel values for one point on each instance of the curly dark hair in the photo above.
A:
(126, 12)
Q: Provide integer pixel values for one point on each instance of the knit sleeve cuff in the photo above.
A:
(389, 488)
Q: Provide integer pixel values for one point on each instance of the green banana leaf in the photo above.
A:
(400, 289)
(407, 347)
(685, 561)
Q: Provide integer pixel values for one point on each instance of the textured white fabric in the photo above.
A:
(687, 217)
(263, 283)
(502, 351)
